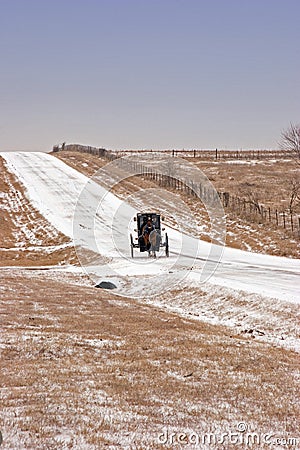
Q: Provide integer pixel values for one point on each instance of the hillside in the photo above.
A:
(92, 369)
(265, 180)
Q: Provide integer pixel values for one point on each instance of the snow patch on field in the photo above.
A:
(30, 231)
(252, 315)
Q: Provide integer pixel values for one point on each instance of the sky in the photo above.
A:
(148, 74)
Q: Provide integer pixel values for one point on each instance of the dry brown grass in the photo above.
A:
(269, 180)
(82, 368)
(26, 237)
(270, 183)
(84, 162)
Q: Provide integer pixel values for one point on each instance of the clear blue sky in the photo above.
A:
(148, 74)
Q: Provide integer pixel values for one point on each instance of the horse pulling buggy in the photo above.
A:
(149, 234)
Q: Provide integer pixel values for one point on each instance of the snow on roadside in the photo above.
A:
(255, 316)
(29, 231)
(250, 315)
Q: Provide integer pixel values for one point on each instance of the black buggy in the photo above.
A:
(149, 234)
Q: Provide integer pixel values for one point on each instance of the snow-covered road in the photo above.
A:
(99, 222)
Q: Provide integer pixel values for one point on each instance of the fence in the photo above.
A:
(239, 206)
(210, 155)
(262, 214)
(218, 155)
(102, 152)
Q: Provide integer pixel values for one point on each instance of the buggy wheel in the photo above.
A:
(167, 246)
(131, 245)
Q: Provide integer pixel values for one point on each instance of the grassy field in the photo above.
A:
(85, 369)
